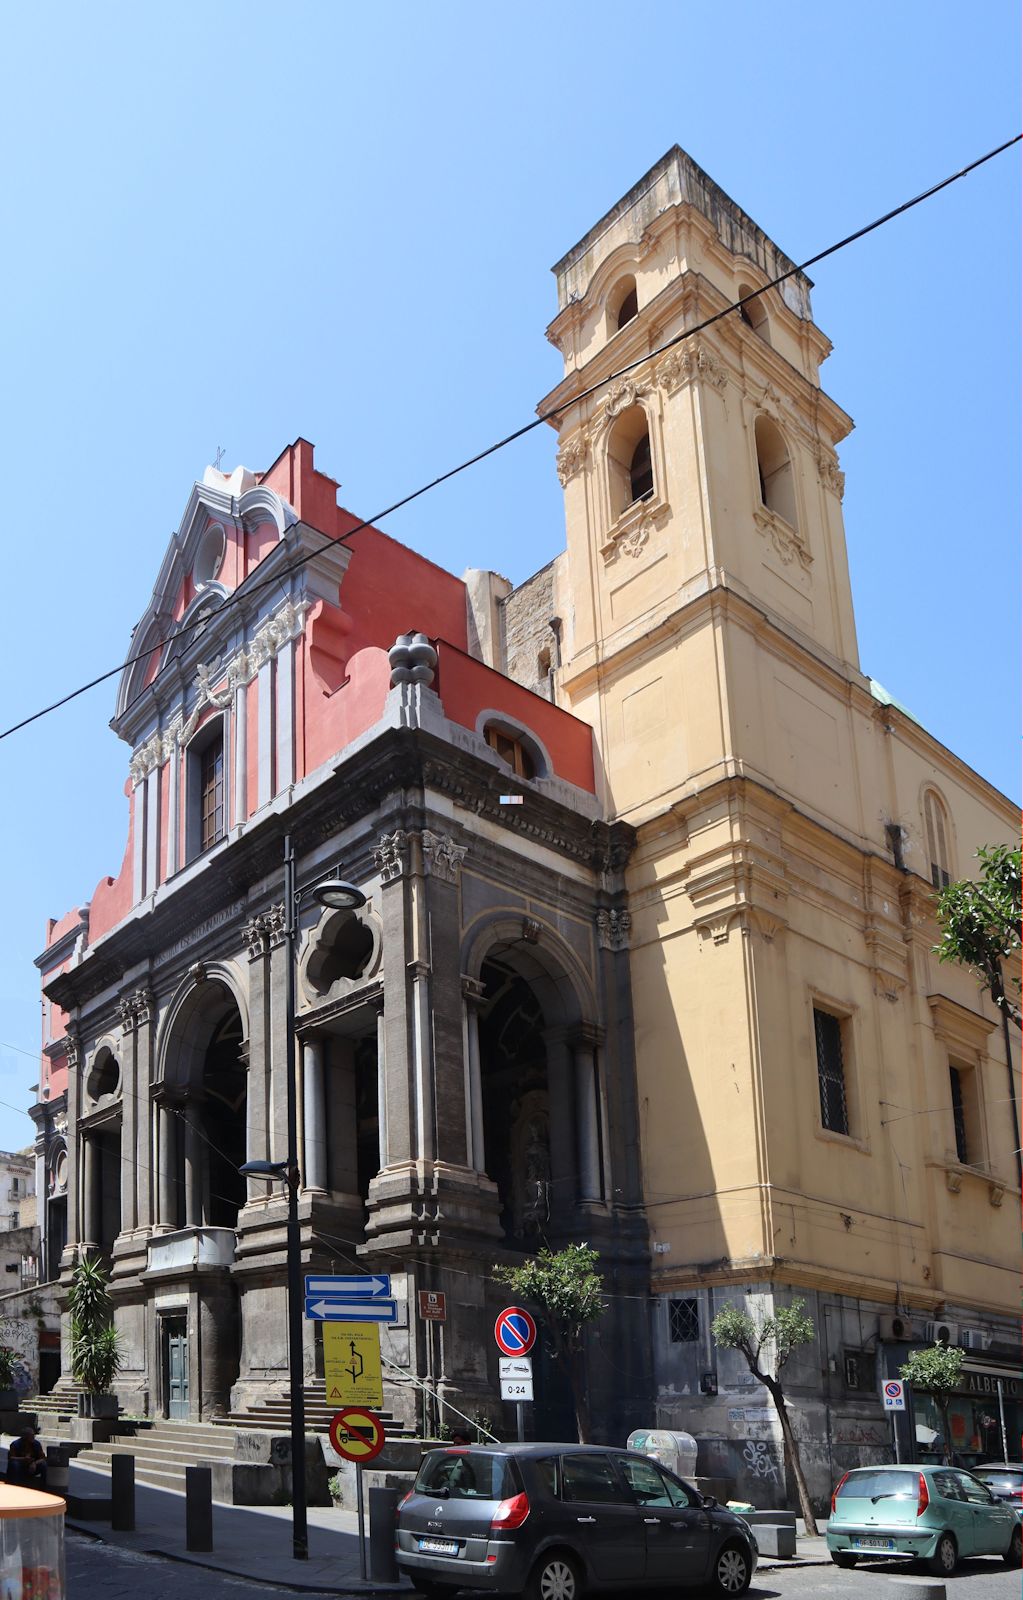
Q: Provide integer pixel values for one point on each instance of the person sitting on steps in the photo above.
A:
(26, 1460)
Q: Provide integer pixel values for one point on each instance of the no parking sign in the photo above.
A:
(893, 1394)
(515, 1331)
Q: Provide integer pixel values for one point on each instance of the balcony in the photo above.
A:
(189, 1248)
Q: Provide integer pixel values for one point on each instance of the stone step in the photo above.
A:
(173, 1454)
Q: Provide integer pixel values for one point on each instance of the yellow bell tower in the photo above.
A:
(702, 490)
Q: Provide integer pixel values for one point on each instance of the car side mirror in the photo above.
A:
(708, 1502)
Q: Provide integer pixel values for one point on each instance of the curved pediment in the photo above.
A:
(230, 521)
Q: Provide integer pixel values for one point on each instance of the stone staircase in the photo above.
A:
(274, 1416)
(163, 1452)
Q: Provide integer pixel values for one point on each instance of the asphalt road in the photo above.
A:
(101, 1570)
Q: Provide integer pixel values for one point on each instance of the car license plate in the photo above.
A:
(873, 1544)
(439, 1547)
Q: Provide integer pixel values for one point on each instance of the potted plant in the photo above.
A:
(95, 1352)
(8, 1393)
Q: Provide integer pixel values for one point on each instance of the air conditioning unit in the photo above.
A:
(974, 1338)
(942, 1332)
(896, 1329)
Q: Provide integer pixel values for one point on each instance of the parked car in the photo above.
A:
(1005, 1480)
(554, 1521)
(935, 1514)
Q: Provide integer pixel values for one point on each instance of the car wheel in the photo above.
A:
(733, 1570)
(842, 1558)
(1013, 1557)
(555, 1577)
(945, 1558)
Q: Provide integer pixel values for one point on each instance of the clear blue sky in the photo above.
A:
(228, 224)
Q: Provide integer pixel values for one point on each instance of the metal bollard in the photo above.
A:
(122, 1494)
(198, 1508)
(918, 1588)
(56, 1469)
(383, 1511)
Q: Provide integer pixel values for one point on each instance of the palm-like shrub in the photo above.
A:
(95, 1352)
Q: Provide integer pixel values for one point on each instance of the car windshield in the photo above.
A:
(868, 1485)
(461, 1474)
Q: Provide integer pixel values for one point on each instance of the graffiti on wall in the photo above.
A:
(760, 1461)
(21, 1334)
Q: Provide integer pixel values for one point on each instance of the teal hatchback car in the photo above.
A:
(934, 1514)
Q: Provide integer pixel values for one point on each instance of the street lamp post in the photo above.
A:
(335, 893)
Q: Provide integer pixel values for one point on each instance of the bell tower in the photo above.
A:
(702, 489)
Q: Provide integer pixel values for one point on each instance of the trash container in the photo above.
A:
(676, 1451)
(31, 1544)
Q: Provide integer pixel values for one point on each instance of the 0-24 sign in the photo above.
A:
(516, 1378)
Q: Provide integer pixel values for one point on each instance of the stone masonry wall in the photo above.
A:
(527, 612)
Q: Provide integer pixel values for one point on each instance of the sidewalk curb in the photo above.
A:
(195, 1559)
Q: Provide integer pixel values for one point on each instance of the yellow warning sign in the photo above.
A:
(351, 1363)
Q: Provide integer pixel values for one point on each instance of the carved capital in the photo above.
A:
(276, 926)
(442, 857)
(391, 855)
(72, 1050)
(675, 370)
(571, 457)
(830, 474)
(255, 934)
(709, 368)
(613, 927)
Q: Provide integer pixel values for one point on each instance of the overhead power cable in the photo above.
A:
(247, 591)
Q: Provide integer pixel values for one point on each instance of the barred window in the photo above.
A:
(684, 1321)
(831, 1071)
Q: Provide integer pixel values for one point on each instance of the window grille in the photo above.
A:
(831, 1071)
(211, 786)
(684, 1321)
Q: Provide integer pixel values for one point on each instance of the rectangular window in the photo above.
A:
(959, 1114)
(684, 1321)
(831, 1071)
(211, 794)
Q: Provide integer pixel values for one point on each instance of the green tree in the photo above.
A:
(982, 923)
(767, 1342)
(95, 1352)
(568, 1292)
(982, 927)
(939, 1373)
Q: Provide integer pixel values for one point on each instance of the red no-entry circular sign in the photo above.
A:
(515, 1331)
(357, 1434)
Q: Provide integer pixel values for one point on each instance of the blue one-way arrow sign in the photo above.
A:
(372, 1285)
(342, 1308)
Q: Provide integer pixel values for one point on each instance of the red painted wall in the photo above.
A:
(467, 687)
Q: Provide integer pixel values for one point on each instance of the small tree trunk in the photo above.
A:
(792, 1455)
(573, 1360)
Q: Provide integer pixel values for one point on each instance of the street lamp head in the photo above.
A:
(338, 895)
(264, 1169)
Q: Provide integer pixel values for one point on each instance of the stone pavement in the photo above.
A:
(255, 1542)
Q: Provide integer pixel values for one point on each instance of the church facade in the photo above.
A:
(646, 957)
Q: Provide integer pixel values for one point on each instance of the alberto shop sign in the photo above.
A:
(985, 1381)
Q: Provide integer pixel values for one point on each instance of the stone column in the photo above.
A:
(74, 1181)
(381, 1083)
(193, 1168)
(241, 753)
(257, 1145)
(142, 1181)
(314, 1121)
(587, 1118)
(472, 998)
(440, 1052)
(167, 1207)
(174, 850)
(91, 1192)
(392, 855)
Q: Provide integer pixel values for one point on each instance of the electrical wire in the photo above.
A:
(244, 594)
